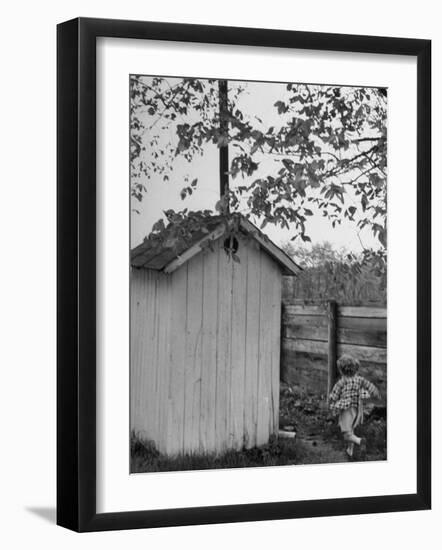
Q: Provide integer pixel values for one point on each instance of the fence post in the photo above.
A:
(332, 372)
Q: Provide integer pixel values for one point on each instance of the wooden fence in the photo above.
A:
(331, 330)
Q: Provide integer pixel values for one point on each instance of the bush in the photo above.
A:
(331, 274)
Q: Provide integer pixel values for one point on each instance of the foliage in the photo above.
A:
(189, 108)
(331, 146)
(182, 227)
(345, 277)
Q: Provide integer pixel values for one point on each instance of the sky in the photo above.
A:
(257, 100)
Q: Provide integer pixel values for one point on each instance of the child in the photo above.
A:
(347, 398)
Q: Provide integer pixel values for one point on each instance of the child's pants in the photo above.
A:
(348, 420)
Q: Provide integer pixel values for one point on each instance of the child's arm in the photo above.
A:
(335, 393)
(371, 388)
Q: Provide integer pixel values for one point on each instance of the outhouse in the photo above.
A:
(205, 340)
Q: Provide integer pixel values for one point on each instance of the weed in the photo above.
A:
(146, 458)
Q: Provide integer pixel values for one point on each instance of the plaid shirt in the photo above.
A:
(349, 390)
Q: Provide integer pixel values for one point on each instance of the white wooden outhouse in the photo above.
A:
(205, 341)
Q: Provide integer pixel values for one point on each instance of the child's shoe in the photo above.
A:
(349, 452)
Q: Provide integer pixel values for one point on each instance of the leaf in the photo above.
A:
(223, 141)
(364, 202)
(254, 148)
(220, 205)
(382, 236)
(281, 106)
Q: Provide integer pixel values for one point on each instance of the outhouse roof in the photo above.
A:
(163, 257)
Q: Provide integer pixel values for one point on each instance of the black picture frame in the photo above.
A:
(76, 274)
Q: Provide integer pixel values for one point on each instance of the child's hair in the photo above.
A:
(348, 365)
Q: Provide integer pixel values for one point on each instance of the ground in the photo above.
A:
(317, 440)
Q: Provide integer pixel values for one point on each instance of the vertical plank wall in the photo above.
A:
(205, 346)
(150, 327)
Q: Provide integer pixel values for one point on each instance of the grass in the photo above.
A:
(146, 458)
(318, 441)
